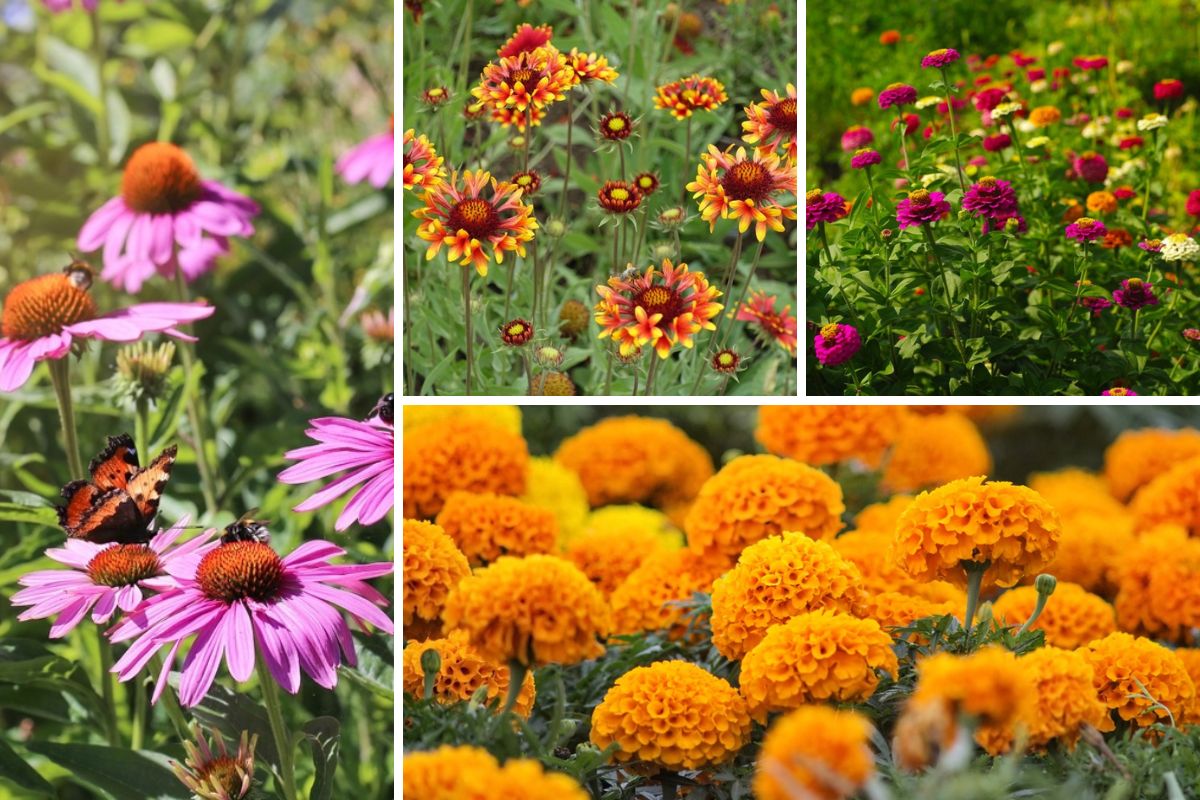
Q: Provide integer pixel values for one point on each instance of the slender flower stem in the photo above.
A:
(100, 55)
(208, 484)
(687, 151)
(608, 373)
(621, 155)
(678, 246)
(562, 203)
(654, 359)
(902, 127)
(953, 134)
(279, 731)
(742, 298)
(60, 376)
(641, 235)
(465, 30)
(712, 342)
(508, 290)
(616, 235)
(528, 135)
(138, 736)
(108, 685)
(975, 572)
(1079, 283)
(962, 353)
(410, 370)
(466, 293)
(528, 371)
(516, 678)
(141, 423)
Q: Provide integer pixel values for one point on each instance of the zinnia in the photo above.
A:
(921, 207)
(940, 58)
(836, 344)
(856, 136)
(1134, 294)
(822, 207)
(897, 94)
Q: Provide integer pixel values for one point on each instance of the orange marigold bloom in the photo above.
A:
(473, 454)
(456, 773)
(635, 518)
(756, 496)
(1190, 658)
(731, 185)
(462, 672)
(432, 566)
(1102, 202)
(815, 657)
(674, 714)
(608, 556)
(486, 526)
(466, 221)
(693, 93)
(1138, 457)
(526, 39)
(1127, 668)
(537, 610)
(819, 435)
(882, 517)
(422, 164)
(899, 609)
(932, 450)
(589, 67)
(824, 750)
(1042, 116)
(619, 197)
(1173, 497)
(648, 599)
(1158, 590)
(507, 417)
(1075, 491)
(636, 460)
(531, 79)
(661, 308)
(1091, 550)
(862, 95)
(863, 548)
(889, 37)
(1009, 528)
(771, 125)
(1066, 696)
(1072, 616)
(773, 581)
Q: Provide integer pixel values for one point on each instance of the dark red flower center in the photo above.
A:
(475, 216)
(46, 304)
(747, 180)
(123, 565)
(783, 114)
(660, 300)
(240, 571)
(523, 76)
(160, 179)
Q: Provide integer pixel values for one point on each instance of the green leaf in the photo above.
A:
(15, 772)
(324, 735)
(124, 774)
(24, 114)
(153, 37)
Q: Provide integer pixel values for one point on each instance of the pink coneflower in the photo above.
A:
(1095, 304)
(372, 160)
(992, 199)
(365, 450)
(1119, 391)
(1168, 89)
(1086, 229)
(865, 157)
(997, 142)
(897, 94)
(241, 597)
(1091, 167)
(940, 58)
(43, 317)
(921, 207)
(823, 207)
(165, 219)
(836, 343)
(856, 136)
(1135, 293)
(771, 325)
(1089, 63)
(213, 773)
(103, 578)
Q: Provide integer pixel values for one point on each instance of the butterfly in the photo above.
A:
(120, 501)
(247, 529)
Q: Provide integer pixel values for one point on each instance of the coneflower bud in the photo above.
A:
(142, 370)
(217, 775)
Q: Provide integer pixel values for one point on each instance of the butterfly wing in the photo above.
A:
(146, 485)
(79, 496)
(112, 516)
(116, 465)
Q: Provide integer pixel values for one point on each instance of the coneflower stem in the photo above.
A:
(108, 685)
(279, 731)
(141, 424)
(208, 486)
(562, 202)
(60, 369)
(98, 51)
(953, 134)
(137, 737)
(466, 293)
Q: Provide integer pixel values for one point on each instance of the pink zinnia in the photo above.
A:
(856, 136)
(1091, 167)
(1119, 391)
(1086, 229)
(997, 142)
(1193, 203)
(921, 208)
(1130, 143)
(865, 157)
(373, 160)
(44, 316)
(988, 99)
(166, 219)
(1095, 304)
(365, 451)
(242, 597)
(836, 343)
(1135, 293)
(1168, 89)
(991, 198)
(1192, 334)
(940, 58)
(1087, 63)
(1151, 245)
(103, 578)
(823, 207)
(897, 94)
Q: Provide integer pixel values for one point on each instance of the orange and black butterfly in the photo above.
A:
(120, 501)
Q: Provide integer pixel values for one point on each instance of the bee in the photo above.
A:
(247, 529)
(385, 409)
(630, 272)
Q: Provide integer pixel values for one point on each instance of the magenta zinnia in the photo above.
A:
(1086, 229)
(734, 186)
(661, 308)
(1134, 294)
(921, 207)
(940, 58)
(836, 343)
(822, 207)
(242, 597)
(897, 94)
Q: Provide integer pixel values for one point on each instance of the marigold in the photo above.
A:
(556, 488)
(771, 124)
(756, 496)
(689, 95)
(462, 672)
(422, 165)
(636, 460)
(506, 417)
(486, 526)
(433, 565)
(648, 600)
(932, 450)
(819, 435)
(1128, 667)
(456, 773)
(824, 750)
(1091, 550)
(1138, 457)
(1075, 491)
(660, 308)
(1071, 617)
(899, 609)
(673, 714)
(731, 185)
(1066, 696)
(863, 548)
(1158, 590)
(1173, 497)
(617, 519)
(536, 610)
(608, 557)
(882, 517)
(473, 454)
(815, 657)
(1008, 528)
(773, 581)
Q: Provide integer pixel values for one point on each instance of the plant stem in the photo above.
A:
(562, 203)
(687, 150)
(902, 127)
(953, 134)
(279, 731)
(141, 424)
(60, 376)
(962, 353)
(410, 373)
(516, 677)
(465, 61)
(975, 572)
(712, 342)
(745, 290)
(621, 156)
(98, 52)
(508, 290)
(528, 371)
(466, 293)
(108, 685)
(528, 135)
(654, 359)
(608, 373)
(138, 735)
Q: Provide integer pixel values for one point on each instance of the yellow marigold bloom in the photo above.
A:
(647, 599)
(552, 486)
(608, 557)
(882, 517)
(1138, 457)
(815, 657)
(674, 714)
(773, 581)
(457, 773)
(636, 518)
(1075, 491)
(422, 165)
(1190, 658)
(507, 417)
(1158, 590)
(1066, 696)
(522, 83)
(988, 685)
(731, 185)
(1009, 528)
(932, 450)
(463, 671)
(899, 609)
(1121, 662)
(862, 95)
(486, 526)
(536, 610)
(589, 67)
(864, 549)
(694, 93)
(1072, 616)
(819, 435)
(1091, 550)
(1102, 202)
(772, 124)
(824, 750)
(472, 455)
(753, 497)
(1173, 497)
(637, 460)
(433, 565)
(1042, 116)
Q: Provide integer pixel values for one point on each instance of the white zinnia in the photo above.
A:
(1179, 247)
(1004, 109)
(1151, 122)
